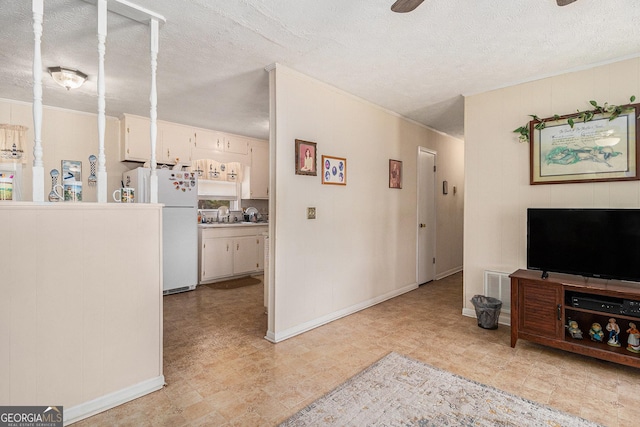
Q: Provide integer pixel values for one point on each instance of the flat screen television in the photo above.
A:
(602, 243)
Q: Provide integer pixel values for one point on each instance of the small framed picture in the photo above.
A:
(71, 170)
(395, 174)
(306, 158)
(334, 170)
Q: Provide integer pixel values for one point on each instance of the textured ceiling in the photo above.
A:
(213, 53)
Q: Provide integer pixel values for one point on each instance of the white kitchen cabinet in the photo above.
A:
(228, 251)
(208, 140)
(216, 258)
(257, 183)
(173, 141)
(260, 252)
(205, 139)
(236, 144)
(135, 138)
(245, 256)
(176, 141)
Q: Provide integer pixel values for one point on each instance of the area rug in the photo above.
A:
(235, 283)
(399, 391)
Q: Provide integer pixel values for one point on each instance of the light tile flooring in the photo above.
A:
(220, 370)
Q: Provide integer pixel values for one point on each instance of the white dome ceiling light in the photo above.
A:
(68, 78)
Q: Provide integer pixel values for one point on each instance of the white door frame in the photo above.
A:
(432, 226)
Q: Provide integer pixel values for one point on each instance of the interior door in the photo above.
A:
(426, 227)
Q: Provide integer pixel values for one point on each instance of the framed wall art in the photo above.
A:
(306, 158)
(600, 149)
(334, 170)
(71, 170)
(395, 174)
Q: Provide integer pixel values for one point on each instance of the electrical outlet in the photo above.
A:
(311, 213)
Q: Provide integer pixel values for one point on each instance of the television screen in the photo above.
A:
(588, 242)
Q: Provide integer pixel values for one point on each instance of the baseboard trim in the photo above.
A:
(108, 401)
(448, 273)
(312, 324)
(504, 319)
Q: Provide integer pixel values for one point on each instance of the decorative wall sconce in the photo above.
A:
(67, 78)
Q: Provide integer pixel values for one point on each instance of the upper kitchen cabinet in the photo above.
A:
(173, 141)
(236, 144)
(135, 138)
(213, 142)
(258, 180)
(209, 140)
(176, 142)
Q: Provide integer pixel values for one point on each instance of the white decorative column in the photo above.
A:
(38, 165)
(102, 36)
(153, 98)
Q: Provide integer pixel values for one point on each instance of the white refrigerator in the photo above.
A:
(178, 191)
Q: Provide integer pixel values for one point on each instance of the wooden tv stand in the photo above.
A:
(540, 309)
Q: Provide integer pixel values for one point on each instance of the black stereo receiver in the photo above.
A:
(626, 307)
(596, 305)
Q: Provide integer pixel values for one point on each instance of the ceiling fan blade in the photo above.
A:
(403, 6)
(564, 2)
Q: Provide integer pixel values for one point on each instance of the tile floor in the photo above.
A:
(220, 370)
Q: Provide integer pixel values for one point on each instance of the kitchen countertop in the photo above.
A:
(232, 224)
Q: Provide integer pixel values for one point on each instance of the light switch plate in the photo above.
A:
(311, 213)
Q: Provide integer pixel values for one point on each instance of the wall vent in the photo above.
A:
(498, 285)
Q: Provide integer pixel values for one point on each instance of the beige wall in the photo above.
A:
(361, 249)
(67, 135)
(497, 166)
(81, 306)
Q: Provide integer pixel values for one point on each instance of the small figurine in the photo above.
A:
(614, 331)
(633, 343)
(574, 330)
(596, 332)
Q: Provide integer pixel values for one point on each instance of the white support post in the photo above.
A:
(102, 168)
(153, 98)
(38, 165)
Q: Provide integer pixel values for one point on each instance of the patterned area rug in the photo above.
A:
(399, 391)
(235, 283)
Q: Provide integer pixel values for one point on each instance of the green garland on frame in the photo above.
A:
(583, 116)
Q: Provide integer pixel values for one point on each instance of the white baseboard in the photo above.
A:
(108, 401)
(448, 272)
(307, 326)
(504, 319)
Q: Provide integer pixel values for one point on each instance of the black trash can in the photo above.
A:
(487, 311)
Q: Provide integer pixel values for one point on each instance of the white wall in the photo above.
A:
(67, 135)
(497, 166)
(361, 249)
(81, 306)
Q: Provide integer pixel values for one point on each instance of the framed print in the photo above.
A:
(395, 174)
(71, 170)
(306, 158)
(602, 149)
(72, 180)
(334, 170)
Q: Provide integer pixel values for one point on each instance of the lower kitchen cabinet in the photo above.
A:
(230, 251)
(245, 255)
(217, 258)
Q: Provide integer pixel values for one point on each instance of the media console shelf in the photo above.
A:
(540, 309)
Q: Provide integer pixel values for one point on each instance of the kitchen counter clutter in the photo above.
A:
(230, 249)
(233, 224)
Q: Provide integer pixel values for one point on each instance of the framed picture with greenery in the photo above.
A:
(572, 149)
